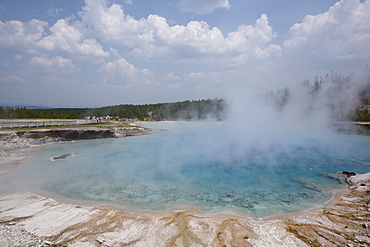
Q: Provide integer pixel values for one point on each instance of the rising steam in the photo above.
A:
(279, 120)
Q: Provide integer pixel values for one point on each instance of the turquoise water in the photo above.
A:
(198, 164)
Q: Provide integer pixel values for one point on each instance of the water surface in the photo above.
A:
(197, 164)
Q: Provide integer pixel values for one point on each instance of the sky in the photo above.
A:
(109, 52)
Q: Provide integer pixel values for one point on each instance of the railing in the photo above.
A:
(38, 123)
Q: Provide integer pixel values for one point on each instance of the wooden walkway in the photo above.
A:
(362, 123)
(9, 124)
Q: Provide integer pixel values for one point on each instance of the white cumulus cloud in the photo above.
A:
(120, 67)
(343, 32)
(111, 24)
(67, 38)
(34, 37)
(12, 79)
(171, 76)
(52, 64)
(255, 41)
(121, 72)
(22, 35)
(203, 6)
(154, 37)
(198, 39)
(54, 12)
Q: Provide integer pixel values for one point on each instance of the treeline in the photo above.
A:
(346, 98)
(186, 110)
(57, 113)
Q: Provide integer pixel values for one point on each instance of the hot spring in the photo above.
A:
(199, 165)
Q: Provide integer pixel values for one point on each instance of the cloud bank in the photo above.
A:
(343, 32)
(201, 60)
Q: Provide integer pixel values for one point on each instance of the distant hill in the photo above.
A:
(4, 105)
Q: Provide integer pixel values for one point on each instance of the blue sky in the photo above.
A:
(107, 52)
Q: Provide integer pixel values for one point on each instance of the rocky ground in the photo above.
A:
(345, 223)
(20, 139)
(27, 219)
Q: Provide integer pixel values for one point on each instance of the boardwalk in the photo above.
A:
(363, 123)
(6, 124)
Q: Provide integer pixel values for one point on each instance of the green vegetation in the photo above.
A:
(362, 115)
(23, 112)
(186, 110)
